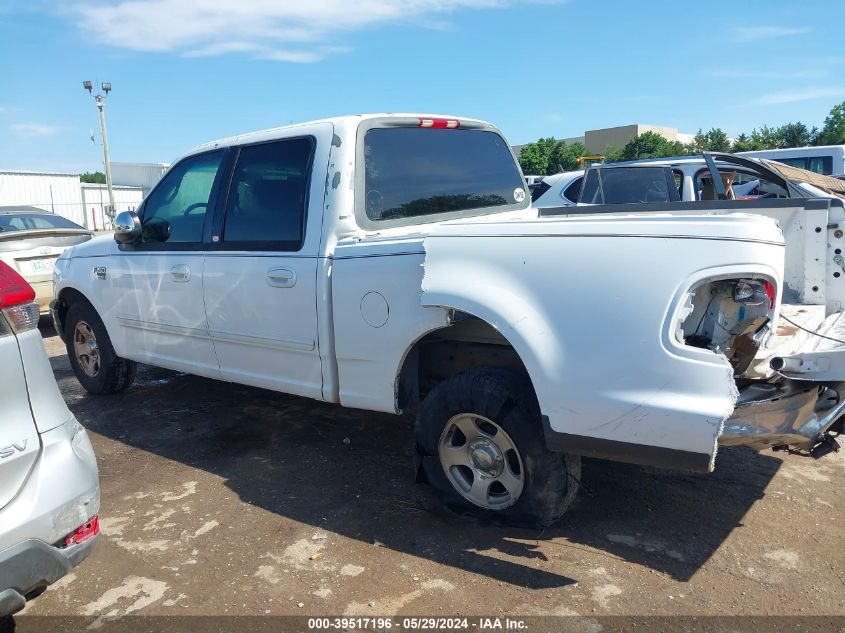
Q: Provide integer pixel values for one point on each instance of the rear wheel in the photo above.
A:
(92, 357)
(481, 447)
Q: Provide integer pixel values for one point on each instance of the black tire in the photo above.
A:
(114, 374)
(550, 480)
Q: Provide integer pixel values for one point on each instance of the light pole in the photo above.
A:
(100, 100)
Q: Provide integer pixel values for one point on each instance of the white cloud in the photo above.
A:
(803, 94)
(283, 30)
(32, 129)
(754, 33)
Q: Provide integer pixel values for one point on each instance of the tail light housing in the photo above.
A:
(85, 531)
(19, 311)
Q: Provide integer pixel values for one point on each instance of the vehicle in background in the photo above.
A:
(742, 177)
(394, 263)
(625, 184)
(49, 488)
(589, 161)
(822, 159)
(30, 241)
(558, 190)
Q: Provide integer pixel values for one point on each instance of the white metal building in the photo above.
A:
(95, 199)
(83, 203)
(58, 193)
(143, 175)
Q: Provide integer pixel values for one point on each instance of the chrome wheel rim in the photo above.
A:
(85, 349)
(481, 461)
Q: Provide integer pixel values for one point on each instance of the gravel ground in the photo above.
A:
(221, 499)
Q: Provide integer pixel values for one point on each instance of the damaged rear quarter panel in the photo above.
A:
(589, 305)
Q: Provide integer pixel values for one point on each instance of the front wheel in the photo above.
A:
(92, 357)
(480, 442)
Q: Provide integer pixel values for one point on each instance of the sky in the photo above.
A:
(189, 71)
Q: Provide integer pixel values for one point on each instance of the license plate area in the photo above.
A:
(40, 266)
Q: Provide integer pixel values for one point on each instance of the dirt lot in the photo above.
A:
(220, 499)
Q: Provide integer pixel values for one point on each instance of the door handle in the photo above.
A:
(180, 273)
(281, 277)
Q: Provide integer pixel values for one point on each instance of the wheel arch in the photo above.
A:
(63, 300)
(438, 353)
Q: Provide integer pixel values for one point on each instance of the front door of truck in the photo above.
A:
(261, 268)
(156, 311)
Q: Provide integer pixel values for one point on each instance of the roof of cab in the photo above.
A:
(275, 132)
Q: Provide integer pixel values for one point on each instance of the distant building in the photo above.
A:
(80, 202)
(597, 141)
(143, 175)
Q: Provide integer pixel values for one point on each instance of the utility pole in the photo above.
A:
(100, 100)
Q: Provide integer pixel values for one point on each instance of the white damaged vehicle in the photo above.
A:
(393, 262)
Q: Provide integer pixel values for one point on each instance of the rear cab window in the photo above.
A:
(414, 175)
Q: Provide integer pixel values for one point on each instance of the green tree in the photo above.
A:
(565, 156)
(833, 130)
(535, 158)
(613, 154)
(651, 145)
(742, 143)
(550, 156)
(714, 140)
(794, 135)
(766, 138)
(97, 177)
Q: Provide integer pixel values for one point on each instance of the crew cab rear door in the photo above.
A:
(260, 272)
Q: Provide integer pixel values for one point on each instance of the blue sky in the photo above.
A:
(188, 71)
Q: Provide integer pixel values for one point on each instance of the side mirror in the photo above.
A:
(127, 227)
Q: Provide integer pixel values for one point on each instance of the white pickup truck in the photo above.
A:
(393, 263)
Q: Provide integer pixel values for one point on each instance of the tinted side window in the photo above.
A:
(639, 184)
(268, 195)
(175, 211)
(590, 193)
(411, 172)
(821, 164)
(573, 191)
(794, 162)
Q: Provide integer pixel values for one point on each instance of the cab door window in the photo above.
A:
(175, 212)
(268, 196)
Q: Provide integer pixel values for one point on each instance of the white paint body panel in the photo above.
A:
(155, 312)
(589, 304)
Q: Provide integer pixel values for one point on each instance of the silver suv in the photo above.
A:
(49, 488)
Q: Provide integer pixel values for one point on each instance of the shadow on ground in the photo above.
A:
(289, 456)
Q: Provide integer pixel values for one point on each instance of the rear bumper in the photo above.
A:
(792, 413)
(43, 294)
(33, 565)
(61, 493)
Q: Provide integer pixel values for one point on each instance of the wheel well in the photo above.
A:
(66, 297)
(468, 342)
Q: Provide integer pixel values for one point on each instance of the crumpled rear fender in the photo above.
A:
(591, 307)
